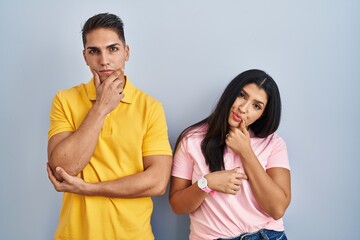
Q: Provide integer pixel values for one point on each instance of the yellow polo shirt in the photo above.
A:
(134, 129)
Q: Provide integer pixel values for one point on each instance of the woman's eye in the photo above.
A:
(241, 95)
(257, 106)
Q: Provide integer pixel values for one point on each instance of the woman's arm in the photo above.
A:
(186, 197)
(271, 188)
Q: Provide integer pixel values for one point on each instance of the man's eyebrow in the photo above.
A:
(113, 45)
(95, 48)
(109, 46)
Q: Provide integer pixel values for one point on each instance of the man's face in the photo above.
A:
(105, 52)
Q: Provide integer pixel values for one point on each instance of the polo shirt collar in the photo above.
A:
(129, 90)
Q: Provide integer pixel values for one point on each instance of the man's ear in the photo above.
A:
(127, 52)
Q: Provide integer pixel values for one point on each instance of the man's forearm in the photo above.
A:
(152, 181)
(74, 151)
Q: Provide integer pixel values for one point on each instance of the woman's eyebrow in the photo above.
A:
(256, 100)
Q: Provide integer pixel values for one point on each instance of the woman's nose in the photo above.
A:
(243, 107)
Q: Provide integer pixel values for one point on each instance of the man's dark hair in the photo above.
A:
(104, 20)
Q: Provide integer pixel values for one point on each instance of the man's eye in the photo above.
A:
(93, 51)
(113, 49)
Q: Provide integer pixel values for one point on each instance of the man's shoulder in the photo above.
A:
(148, 97)
(74, 90)
(144, 96)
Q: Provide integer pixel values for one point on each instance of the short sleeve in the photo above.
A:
(58, 121)
(183, 165)
(156, 140)
(279, 154)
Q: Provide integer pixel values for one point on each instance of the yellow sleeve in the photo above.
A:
(58, 118)
(156, 140)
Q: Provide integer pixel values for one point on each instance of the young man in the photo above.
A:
(108, 147)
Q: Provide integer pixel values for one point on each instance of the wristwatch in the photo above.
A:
(203, 185)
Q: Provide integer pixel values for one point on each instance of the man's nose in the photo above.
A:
(104, 59)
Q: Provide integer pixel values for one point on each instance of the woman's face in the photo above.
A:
(248, 106)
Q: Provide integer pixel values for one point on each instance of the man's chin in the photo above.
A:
(104, 76)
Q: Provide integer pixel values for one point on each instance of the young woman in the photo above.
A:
(231, 170)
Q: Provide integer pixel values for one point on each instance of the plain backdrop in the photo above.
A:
(184, 53)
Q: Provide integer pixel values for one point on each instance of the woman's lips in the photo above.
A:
(237, 117)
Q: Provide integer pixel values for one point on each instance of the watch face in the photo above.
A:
(202, 183)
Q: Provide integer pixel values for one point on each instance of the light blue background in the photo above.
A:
(184, 53)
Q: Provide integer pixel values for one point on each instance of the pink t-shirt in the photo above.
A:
(225, 215)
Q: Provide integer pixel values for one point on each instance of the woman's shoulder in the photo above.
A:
(273, 139)
(195, 133)
(276, 141)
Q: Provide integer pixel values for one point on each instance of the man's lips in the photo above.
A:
(106, 72)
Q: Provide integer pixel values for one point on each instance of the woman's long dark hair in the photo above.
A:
(213, 144)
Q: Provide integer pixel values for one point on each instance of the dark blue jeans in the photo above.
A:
(262, 234)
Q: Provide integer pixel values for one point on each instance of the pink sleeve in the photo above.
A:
(182, 163)
(279, 154)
